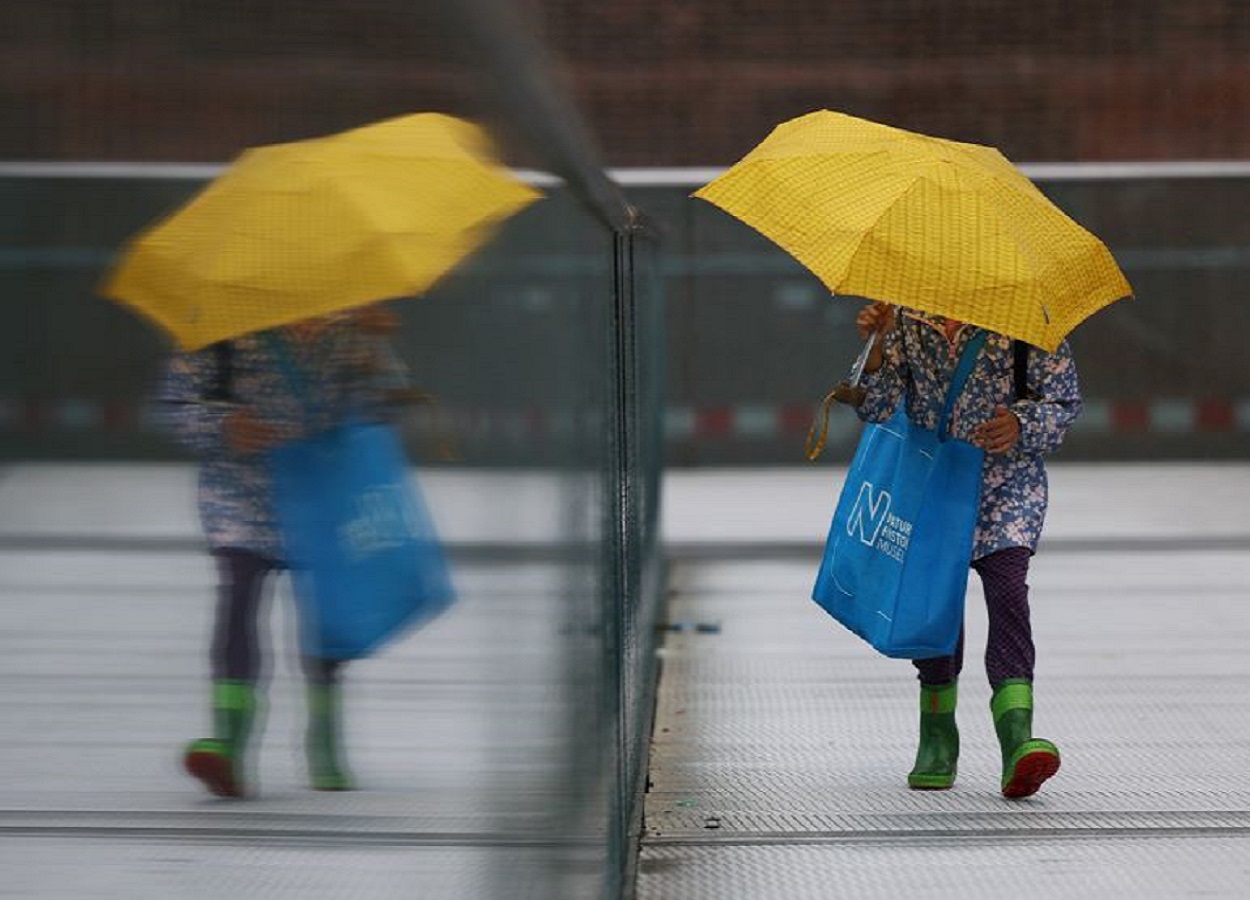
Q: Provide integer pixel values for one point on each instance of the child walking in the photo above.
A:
(1017, 405)
(229, 404)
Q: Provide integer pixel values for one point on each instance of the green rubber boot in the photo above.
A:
(219, 761)
(1027, 761)
(326, 770)
(938, 755)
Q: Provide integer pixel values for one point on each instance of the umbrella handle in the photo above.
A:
(817, 436)
(849, 392)
(815, 443)
(446, 444)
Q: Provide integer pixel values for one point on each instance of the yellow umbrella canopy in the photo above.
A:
(946, 227)
(294, 231)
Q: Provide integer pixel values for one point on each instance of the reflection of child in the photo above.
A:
(229, 404)
(914, 361)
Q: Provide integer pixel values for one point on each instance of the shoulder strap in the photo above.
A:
(967, 360)
(222, 388)
(1020, 370)
(280, 351)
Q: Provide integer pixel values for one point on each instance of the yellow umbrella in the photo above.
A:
(294, 231)
(950, 228)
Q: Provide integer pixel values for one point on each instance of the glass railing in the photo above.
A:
(501, 748)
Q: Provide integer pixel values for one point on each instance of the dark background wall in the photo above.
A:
(752, 341)
(1047, 79)
(663, 82)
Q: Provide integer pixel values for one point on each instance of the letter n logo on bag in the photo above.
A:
(868, 514)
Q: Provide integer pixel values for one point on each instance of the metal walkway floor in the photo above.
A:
(102, 661)
(780, 747)
(457, 734)
(782, 742)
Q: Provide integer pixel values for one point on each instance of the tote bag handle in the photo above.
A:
(967, 360)
(298, 384)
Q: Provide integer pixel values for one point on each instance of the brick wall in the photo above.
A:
(664, 82)
(1044, 80)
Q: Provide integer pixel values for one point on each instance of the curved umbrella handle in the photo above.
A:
(848, 392)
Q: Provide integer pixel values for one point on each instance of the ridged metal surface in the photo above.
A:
(1039, 868)
(743, 827)
(782, 743)
(456, 736)
(199, 870)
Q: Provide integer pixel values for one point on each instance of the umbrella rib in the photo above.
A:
(877, 221)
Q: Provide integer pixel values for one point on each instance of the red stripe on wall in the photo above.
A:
(717, 421)
(119, 416)
(796, 419)
(1216, 415)
(34, 415)
(1130, 417)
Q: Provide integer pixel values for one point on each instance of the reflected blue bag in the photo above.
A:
(362, 549)
(895, 567)
(363, 553)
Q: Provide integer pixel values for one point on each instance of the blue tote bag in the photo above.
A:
(363, 552)
(895, 568)
(366, 561)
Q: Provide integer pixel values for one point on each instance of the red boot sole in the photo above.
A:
(215, 771)
(1031, 771)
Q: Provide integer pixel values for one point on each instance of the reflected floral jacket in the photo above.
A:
(919, 362)
(340, 380)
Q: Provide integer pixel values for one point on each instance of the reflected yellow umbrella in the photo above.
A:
(298, 230)
(950, 228)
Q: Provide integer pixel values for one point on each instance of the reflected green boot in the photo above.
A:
(938, 756)
(1027, 761)
(219, 761)
(326, 770)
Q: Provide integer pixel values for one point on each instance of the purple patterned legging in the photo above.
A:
(236, 651)
(1009, 649)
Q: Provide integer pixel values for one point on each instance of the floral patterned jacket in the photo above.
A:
(339, 380)
(919, 362)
